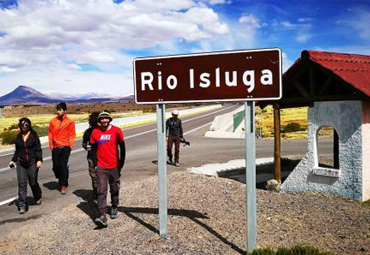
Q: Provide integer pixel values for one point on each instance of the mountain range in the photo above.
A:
(25, 95)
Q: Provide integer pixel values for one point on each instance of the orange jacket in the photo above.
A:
(61, 132)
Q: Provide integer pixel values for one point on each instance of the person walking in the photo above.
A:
(62, 137)
(174, 136)
(28, 158)
(93, 122)
(109, 153)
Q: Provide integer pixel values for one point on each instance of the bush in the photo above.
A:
(9, 137)
(292, 127)
(41, 131)
(13, 127)
(296, 250)
(262, 251)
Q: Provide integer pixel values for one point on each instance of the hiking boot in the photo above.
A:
(22, 210)
(114, 213)
(101, 221)
(63, 190)
(38, 202)
(177, 164)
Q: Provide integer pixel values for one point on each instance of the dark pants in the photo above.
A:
(105, 176)
(92, 173)
(60, 156)
(29, 173)
(173, 140)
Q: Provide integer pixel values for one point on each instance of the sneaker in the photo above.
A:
(22, 210)
(169, 162)
(101, 221)
(38, 202)
(177, 164)
(63, 190)
(114, 213)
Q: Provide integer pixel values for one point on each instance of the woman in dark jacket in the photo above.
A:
(28, 158)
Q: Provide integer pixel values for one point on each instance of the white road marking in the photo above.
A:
(8, 201)
(195, 129)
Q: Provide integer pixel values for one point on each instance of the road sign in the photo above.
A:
(245, 75)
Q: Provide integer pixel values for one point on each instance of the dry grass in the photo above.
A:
(266, 118)
(42, 120)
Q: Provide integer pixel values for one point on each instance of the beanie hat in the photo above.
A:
(104, 114)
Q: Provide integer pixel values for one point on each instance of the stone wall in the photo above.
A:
(26, 110)
(21, 110)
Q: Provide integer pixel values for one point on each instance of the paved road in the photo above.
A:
(141, 152)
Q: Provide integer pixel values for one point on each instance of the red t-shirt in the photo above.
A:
(107, 144)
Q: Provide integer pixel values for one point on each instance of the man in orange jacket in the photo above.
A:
(62, 136)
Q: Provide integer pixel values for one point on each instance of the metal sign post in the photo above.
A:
(162, 169)
(250, 168)
(229, 76)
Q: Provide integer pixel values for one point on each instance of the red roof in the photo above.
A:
(352, 68)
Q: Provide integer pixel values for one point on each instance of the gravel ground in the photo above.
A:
(206, 216)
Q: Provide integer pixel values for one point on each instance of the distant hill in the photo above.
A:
(24, 95)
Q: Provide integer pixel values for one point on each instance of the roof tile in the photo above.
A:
(352, 68)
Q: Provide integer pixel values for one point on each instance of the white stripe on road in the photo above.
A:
(195, 129)
(8, 201)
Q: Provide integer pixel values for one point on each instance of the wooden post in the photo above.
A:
(277, 154)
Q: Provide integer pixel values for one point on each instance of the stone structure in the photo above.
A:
(351, 121)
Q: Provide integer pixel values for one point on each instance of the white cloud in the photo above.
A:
(249, 20)
(286, 61)
(302, 38)
(304, 19)
(6, 69)
(74, 66)
(50, 38)
(359, 20)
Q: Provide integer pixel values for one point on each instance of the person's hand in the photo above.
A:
(39, 164)
(11, 164)
(166, 138)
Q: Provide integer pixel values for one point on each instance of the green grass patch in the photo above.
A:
(296, 250)
(366, 203)
(41, 130)
(8, 137)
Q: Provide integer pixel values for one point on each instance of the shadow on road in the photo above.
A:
(191, 214)
(53, 185)
(88, 206)
(21, 219)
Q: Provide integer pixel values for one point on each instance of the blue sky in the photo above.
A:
(87, 46)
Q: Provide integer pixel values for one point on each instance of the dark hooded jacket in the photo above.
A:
(29, 151)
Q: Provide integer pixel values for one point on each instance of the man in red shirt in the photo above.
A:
(109, 153)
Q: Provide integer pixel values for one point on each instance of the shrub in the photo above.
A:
(41, 131)
(13, 127)
(292, 127)
(9, 137)
(262, 251)
(296, 250)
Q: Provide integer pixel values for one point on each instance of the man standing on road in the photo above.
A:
(109, 153)
(174, 136)
(62, 136)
